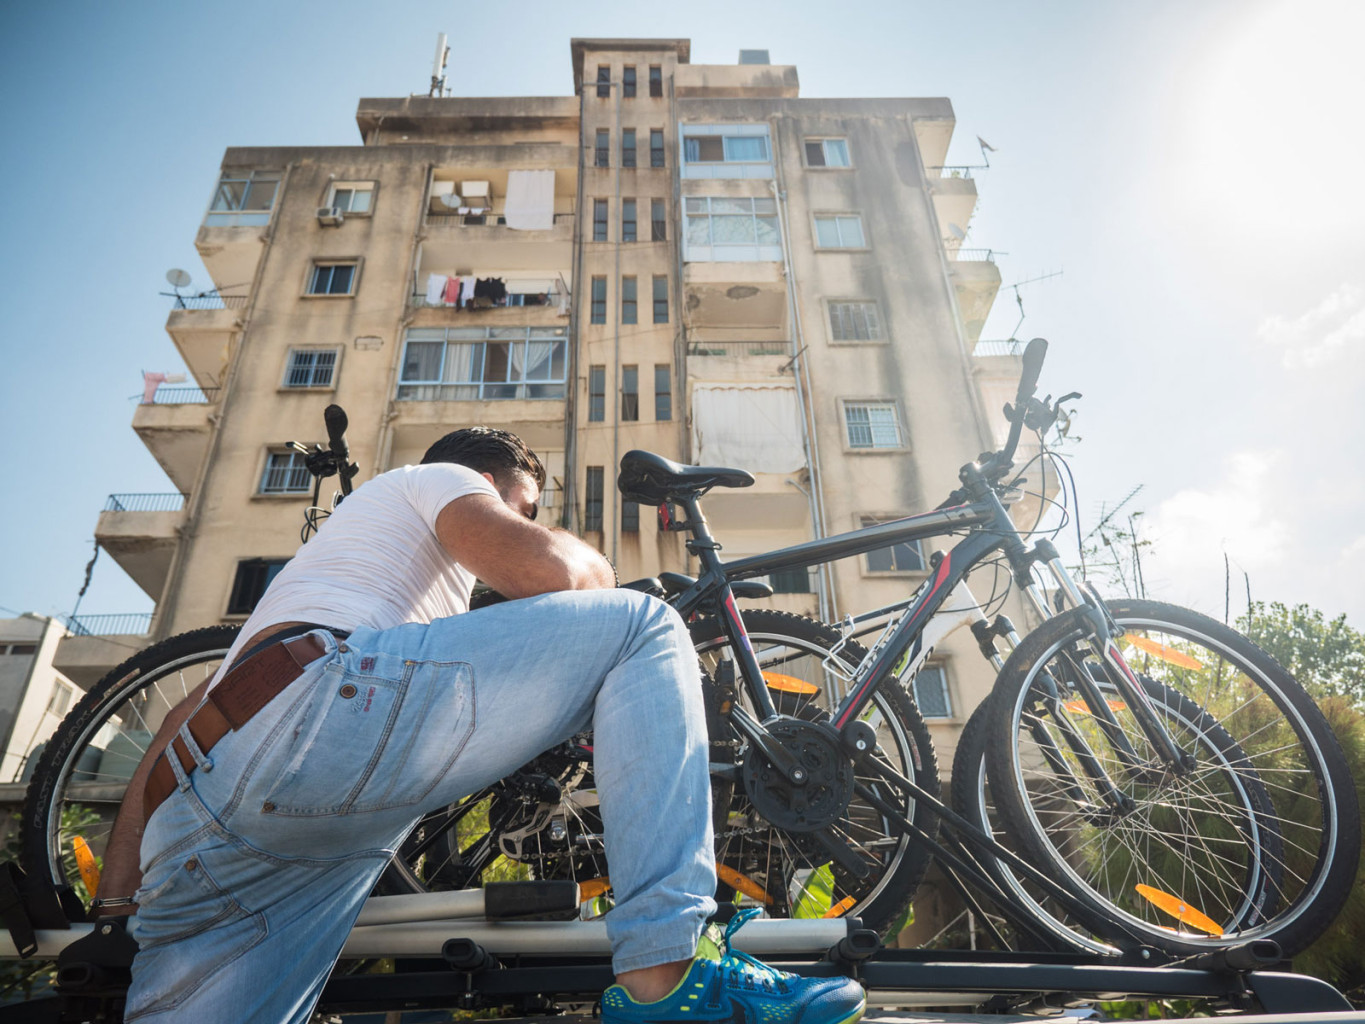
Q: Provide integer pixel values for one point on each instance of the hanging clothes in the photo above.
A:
(466, 291)
(452, 292)
(436, 286)
(530, 203)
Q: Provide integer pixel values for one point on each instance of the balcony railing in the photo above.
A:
(974, 255)
(180, 396)
(542, 300)
(954, 171)
(137, 623)
(145, 503)
(486, 219)
(1009, 347)
(739, 348)
(210, 301)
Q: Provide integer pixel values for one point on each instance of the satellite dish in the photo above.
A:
(450, 201)
(177, 278)
(956, 232)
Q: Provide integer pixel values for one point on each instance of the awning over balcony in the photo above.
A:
(753, 427)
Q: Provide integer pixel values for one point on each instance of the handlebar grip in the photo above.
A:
(337, 422)
(1034, 355)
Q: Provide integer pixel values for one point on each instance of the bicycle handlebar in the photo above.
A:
(1034, 355)
(335, 417)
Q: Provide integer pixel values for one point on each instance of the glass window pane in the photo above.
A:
(422, 360)
(698, 230)
(229, 195)
(836, 153)
(260, 196)
(766, 231)
(732, 230)
(765, 205)
(693, 205)
(341, 279)
(815, 154)
(931, 693)
(851, 232)
(360, 201)
(723, 204)
(498, 362)
(746, 147)
(826, 233)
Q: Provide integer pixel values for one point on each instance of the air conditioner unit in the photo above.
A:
(330, 216)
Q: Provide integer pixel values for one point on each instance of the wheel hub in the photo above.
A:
(827, 788)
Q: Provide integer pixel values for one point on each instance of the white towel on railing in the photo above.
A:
(530, 204)
(436, 286)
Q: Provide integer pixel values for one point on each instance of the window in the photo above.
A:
(630, 516)
(23, 649)
(872, 425)
(603, 81)
(630, 393)
(660, 299)
(332, 279)
(906, 556)
(656, 147)
(656, 81)
(597, 394)
(599, 220)
(658, 221)
(931, 692)
(628, 230)
(827, 153)
(839, 231)
(450, 364)
(353, 197)
(602, 156)
(628, 83)
(663, 392)
(243, 198)
(253, 576)
(598, 313)
(628, 147)
(60, 701)
(630, 305)
(285, 473)
(855, 321)
(790, 581)
(311, 367)
(726, 229)
(726, 151)
(592, 499)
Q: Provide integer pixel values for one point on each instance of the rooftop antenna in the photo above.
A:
(438, 67)
(1019, 299)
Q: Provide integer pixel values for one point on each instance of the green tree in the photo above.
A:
(1326, 656)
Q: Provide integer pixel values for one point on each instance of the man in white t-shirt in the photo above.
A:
(361, 696)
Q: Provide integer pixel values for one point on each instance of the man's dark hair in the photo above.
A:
(487, 450)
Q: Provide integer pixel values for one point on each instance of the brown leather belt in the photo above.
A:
(250, 686)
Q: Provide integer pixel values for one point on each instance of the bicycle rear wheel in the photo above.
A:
(79, 780)
(1257, 836)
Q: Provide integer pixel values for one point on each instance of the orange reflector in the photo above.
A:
(841, 908)
(1179, 909)
(789, 684)
(1080, 707)
(593, 888)
(86, 865)
(1168, 654)
(740, 883)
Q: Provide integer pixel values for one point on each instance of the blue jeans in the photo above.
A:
(256, 868)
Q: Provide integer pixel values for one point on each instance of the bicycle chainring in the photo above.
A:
(829, 779)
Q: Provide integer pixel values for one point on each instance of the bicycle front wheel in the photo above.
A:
(1253, 834)
(79, 780)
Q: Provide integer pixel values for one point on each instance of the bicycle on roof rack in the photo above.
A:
(1141, 775)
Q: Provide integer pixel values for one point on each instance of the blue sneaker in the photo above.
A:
(737, 989)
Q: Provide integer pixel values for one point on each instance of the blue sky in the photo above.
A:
(1191, 167)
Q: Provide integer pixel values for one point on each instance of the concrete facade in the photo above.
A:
(847, 213)
(33, 695)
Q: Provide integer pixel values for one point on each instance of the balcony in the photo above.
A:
(204, 329)
(176, 426)
(140, 532)
(954, 199)
(98, 643)
(736, 302)
(976, 280)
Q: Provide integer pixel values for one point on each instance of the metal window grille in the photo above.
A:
(872, 425)
(628, 147)
(661, 299)
(790, 581)
(597, 394)
(310, 368)
(592, 499)
(630, 306)
(628, 81)
(599, 220)
(602, 156)
(630, 393)
(663, 392)
(603, 81)
(628, 222)
(599, 301)
(656, 147)
(285, 473)
(931, 692)
(855, 321)
(658, 221)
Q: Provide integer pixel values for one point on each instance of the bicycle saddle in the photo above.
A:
(651, 479)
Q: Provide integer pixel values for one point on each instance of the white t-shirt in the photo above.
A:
(376, 561)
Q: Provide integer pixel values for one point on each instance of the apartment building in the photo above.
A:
(691, 259)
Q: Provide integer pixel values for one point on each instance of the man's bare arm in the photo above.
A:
(514, 556)
(122, 872)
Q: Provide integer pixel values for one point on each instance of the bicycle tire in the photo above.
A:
(800, 881)
(79, 779)
(1198, 836)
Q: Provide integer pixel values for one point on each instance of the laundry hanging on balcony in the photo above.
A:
(436, 289)
(754, 427)
(530, 203)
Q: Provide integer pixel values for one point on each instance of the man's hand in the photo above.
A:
(513, 555)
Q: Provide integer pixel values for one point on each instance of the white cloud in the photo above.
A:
(1317, 337)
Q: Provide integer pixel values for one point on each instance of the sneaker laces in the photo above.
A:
(736, 965)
